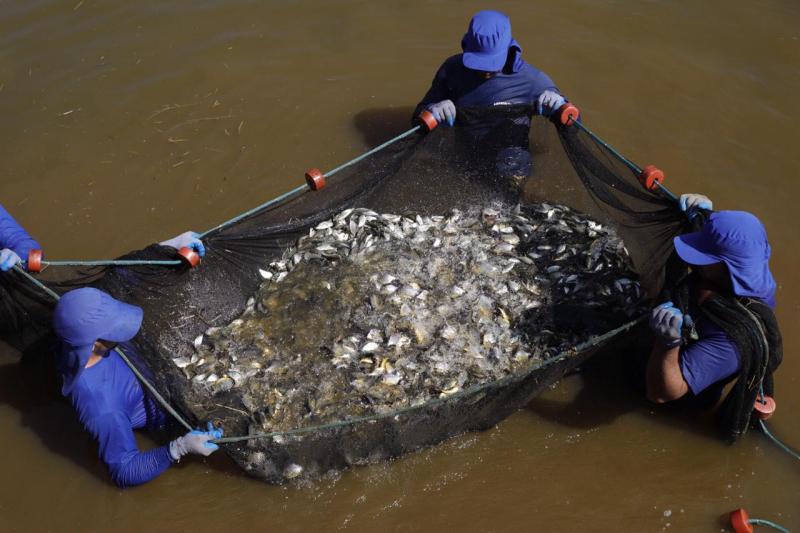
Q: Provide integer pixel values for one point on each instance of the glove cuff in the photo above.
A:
(671, 343)
(176, 450)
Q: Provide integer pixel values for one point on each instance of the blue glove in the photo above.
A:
(444, 111)
(8, 258)
(548, 102)
(666, 321)
(196, 442)
(190, 239)
(690, 203)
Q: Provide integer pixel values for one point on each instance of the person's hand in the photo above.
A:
(189, 239)
(548, 102)
(666, 321)
(8, 258)
(196, 442)
(444, 111)
(692, 202)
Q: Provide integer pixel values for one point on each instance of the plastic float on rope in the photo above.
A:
(765, 407)
(315, 179)
(35, 261)
(568, 114)
(189, 256)
(428, 120)
(651, 177)
(740, 521)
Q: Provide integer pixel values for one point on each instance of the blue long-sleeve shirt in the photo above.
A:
(14, 237)
(519, 84)
(111, 403)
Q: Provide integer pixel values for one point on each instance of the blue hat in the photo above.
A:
(487, 41)
(739, 240)
(84, 316)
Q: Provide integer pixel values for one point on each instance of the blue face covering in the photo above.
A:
(739, 240)
(84, 316)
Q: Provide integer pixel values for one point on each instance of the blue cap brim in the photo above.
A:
(485, 62)
(125, 321)
(690, 248)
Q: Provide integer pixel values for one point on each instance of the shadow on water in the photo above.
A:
(31, 387)
(612, 385)
(377, 125)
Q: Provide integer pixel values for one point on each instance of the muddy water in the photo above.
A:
(128, 122)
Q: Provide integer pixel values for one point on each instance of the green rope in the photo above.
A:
(153, 390)
(630, 164)
(777, 442)
(50, 292)
(303, 188)
(114, 262)
(768, 523)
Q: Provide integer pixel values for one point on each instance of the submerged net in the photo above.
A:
(422, 176)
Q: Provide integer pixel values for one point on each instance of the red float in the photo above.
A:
(568, 113)
(740, 521)
(428, 120)
(189, 256)
(315, 179)
(765, 407)
(650, 177)
(35, 261)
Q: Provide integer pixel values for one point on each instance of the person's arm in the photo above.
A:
(437, 93)
(665, 381)
(14, 239)
(544, 93)
(127, 465)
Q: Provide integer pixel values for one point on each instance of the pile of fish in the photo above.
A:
(371, 312)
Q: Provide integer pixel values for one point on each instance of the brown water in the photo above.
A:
(128, 122)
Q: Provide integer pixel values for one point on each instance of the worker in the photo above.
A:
(491, 72)
(108, 398)
(15, 243)
(732, 297)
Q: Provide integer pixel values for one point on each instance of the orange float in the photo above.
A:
(315, 179)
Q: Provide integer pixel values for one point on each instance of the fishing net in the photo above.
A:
(425, 173)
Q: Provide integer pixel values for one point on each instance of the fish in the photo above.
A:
(369, 312)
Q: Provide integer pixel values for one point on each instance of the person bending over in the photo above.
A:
(109, 400)
(732, 298)
(491, 72)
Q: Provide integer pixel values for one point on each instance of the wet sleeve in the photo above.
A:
(711, 359)
(437, 92)
(14, 237)
(540, 83)
(127, 465)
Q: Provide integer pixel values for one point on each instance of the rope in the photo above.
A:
(630, 164)
(303, 188)
(768, 523)
(114, 262)
(777, 442)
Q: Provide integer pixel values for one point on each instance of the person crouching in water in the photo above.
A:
(731, 298)
(107, 397)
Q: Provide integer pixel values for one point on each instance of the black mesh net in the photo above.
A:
(426, 173)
